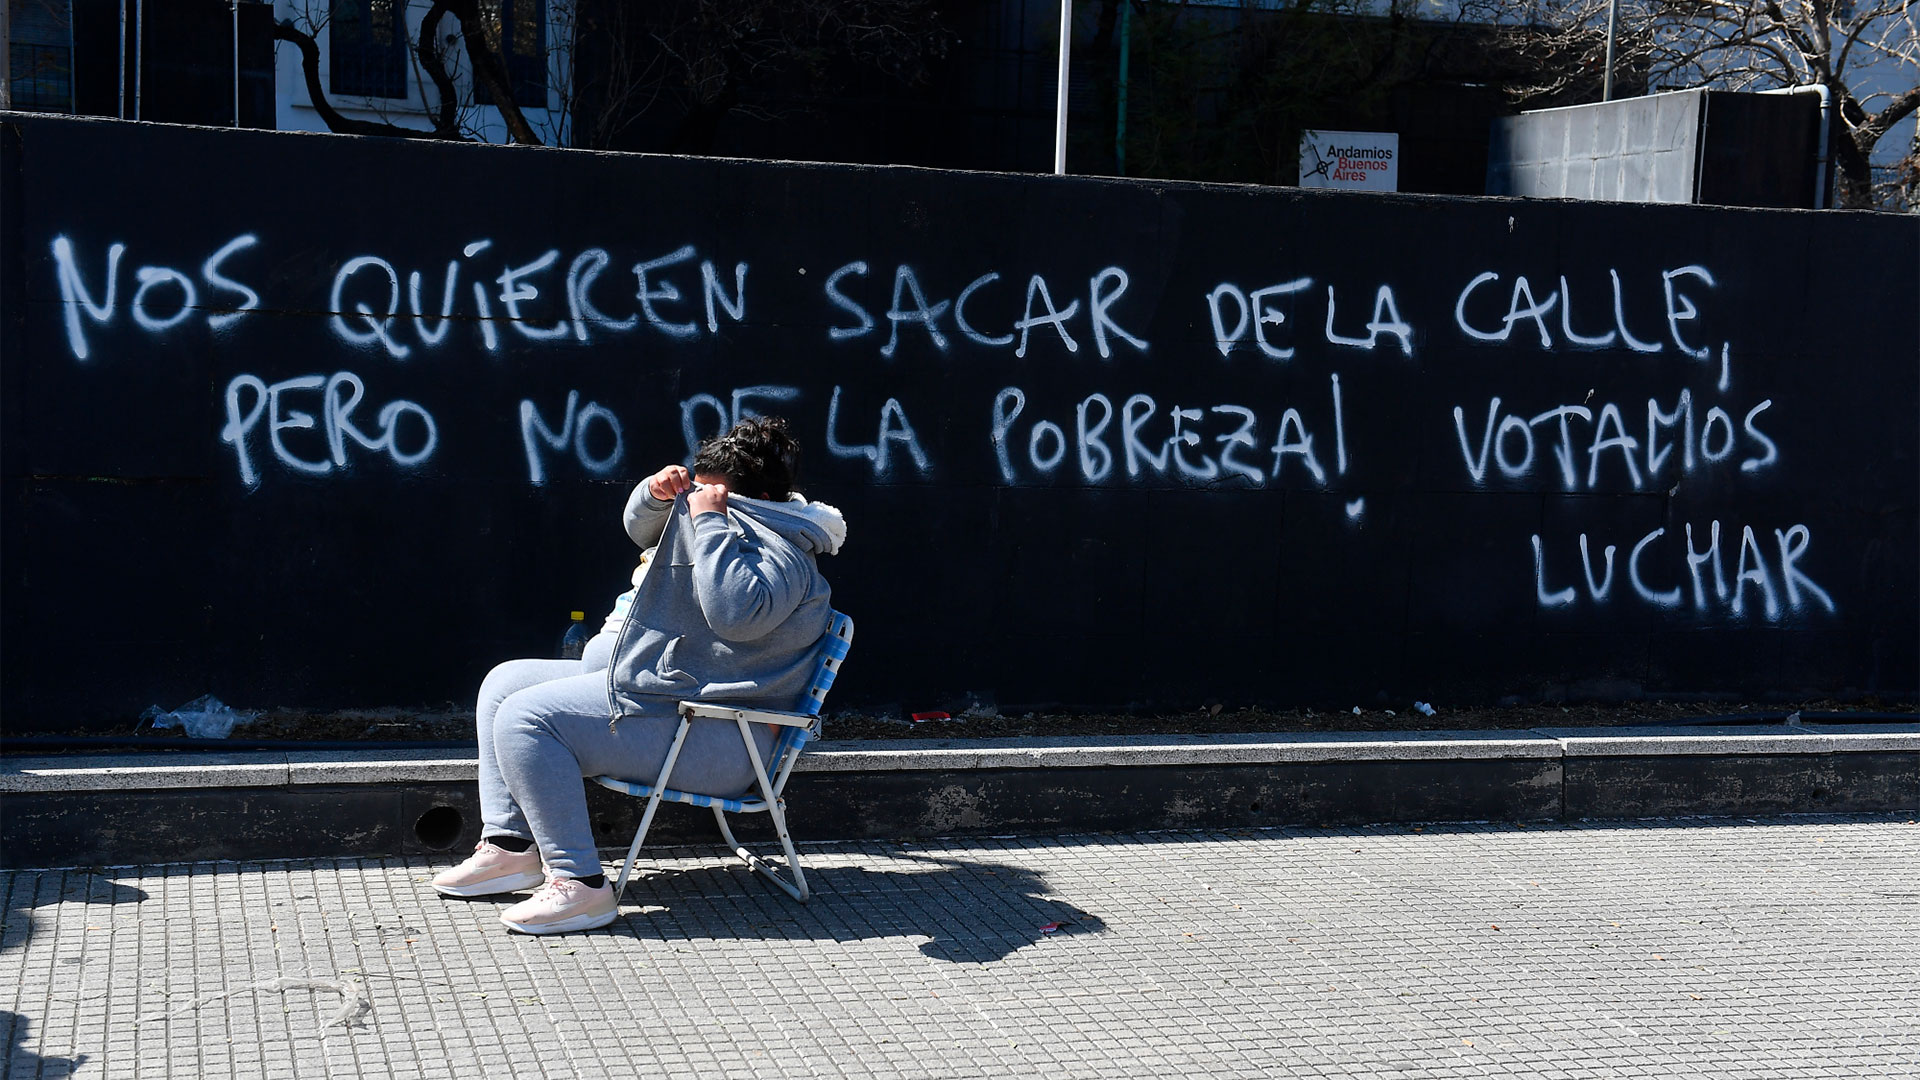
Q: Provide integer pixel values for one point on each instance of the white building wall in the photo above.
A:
(294, 106)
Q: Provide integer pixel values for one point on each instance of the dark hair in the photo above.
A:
(757, 457)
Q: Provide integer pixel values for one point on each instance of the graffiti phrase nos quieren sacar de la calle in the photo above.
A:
(321, 423)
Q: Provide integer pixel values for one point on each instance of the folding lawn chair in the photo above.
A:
(795, 729)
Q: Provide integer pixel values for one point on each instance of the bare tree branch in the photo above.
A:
(491, 70)
(1882, 122)
(284, 30)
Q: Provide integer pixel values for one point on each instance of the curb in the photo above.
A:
(165, 807)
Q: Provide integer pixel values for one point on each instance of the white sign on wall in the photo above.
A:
(1353, 160)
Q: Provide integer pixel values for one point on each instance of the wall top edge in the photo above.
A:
(136, 772)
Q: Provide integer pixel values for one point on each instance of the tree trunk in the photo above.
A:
(491, 71)
(1853, 151)
(1852, 177)
(446, 119)
(284, 30)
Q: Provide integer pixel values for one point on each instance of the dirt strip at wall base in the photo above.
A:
(107, 827)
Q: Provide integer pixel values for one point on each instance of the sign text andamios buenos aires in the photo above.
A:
(1353, 160)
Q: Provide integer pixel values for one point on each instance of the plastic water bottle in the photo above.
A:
(574, 641)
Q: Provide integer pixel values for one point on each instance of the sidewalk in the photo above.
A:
(1783, 947)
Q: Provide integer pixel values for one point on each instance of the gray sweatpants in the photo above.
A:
(542, 727)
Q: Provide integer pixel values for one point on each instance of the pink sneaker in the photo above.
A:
(491, 870)
(562, 906)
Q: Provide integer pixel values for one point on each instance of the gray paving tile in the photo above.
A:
(1783, 948)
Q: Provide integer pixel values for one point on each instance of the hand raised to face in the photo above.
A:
(668, 482)
(708, 499)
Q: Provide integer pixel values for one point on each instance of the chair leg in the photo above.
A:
(653, 804)
(778, 811)
(797, 888)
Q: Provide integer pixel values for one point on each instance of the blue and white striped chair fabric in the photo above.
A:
(833, 650)
(796, 728)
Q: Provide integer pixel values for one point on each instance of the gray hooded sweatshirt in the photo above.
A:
(731, 609)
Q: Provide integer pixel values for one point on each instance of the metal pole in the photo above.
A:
(1060, 104)
(122, 111)
(6, 54)
(1606, 82)
(139, 50)
(236, 62)
(73, 81)
(1120, 121)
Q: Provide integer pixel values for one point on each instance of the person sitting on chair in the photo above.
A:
(732, 608)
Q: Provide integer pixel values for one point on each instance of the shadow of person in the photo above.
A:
(22, 1061)
(971, 912)
(965, 942)
(43, 888)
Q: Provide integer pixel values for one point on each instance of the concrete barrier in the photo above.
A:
(159, 808)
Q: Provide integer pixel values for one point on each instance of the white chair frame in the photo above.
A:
(796, 729)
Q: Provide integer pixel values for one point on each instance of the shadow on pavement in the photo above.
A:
(973, 912)
(23, 1062)
(29, 889)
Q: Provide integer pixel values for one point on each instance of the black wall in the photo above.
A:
(148, 559)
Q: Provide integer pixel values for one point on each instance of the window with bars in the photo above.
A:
(42, 77)
(367, 48)
(516, 31)
(40, 54)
